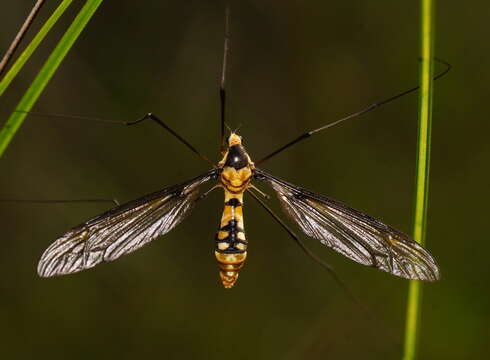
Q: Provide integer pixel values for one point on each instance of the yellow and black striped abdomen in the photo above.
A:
(231, 245)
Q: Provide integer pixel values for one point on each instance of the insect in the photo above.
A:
(128, 227)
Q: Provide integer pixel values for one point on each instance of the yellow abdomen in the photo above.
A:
(229, 265)
(231, 244)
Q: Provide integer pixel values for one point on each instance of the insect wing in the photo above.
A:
(121, 230)
(352, 233)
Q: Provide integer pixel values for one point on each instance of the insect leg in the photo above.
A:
(367, 109)
(304, 248)
(253, 187)
(203, 195)
(40, 201)
(362, 307)
(148, 116)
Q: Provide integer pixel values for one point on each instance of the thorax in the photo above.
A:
(237, 169)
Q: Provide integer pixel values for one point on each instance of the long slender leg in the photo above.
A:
(20, 35)
(148, 116)
(222, 88)
(39, 201)
(181, 139)
(205, 194)
(304, 248)
(362, 307)
(263, 194)
(367, 109)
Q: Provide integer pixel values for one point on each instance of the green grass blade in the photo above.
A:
(422, 180)
(47, 71)
(26, 54)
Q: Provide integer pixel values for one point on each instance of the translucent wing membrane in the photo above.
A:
(352, 233)
(122, 229)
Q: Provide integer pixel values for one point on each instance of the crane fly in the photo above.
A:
(125, 228)
(128, 227)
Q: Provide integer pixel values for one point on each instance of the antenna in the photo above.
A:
(222, 89)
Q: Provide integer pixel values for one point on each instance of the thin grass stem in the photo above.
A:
(422, 175)
(20, 35)
(26, 54)
(46, 73)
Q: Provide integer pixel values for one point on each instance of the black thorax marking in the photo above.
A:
(237, 157)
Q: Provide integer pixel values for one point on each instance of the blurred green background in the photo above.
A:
(293, 66)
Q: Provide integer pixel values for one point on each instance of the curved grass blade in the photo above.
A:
(46, 73)
(423, 161)
(26, 54)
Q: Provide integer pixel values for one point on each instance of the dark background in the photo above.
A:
(294, 65)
